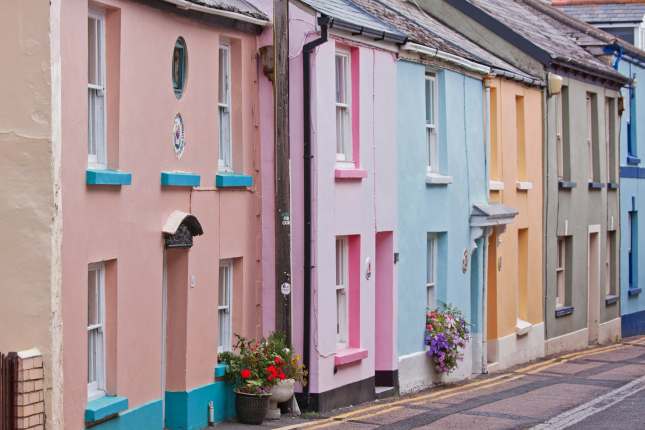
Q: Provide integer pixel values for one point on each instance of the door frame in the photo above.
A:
(593, 282)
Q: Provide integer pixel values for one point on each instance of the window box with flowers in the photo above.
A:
(446, 335)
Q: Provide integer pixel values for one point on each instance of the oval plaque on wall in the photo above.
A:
(178, 138)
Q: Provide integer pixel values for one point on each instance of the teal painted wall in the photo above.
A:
(188, 410)
(445, 209)
(145, 417)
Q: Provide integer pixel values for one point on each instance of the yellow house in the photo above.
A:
(515, 318)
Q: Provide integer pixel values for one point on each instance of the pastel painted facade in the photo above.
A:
(461, 144)
(515, 319)
(580, 162)
(30, 308)
(632, 200)
(353, 212)
(162, 299)
(626, 22)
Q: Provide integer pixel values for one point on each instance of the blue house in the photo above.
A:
(624, 22)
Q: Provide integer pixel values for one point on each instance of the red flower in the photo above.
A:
(245, 373)
(282, 376)
(272, 370)
(278, 360)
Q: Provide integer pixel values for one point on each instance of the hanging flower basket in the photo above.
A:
(446, 335)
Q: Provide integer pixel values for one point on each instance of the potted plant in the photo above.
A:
(446, 335)
(286, 369)
(248, 372)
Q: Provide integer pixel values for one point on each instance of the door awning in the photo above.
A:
(487, 215)
(179, 229)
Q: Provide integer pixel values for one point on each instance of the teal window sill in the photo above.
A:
(180, 179)
(107, 177)
(233, 180)
(105, 407)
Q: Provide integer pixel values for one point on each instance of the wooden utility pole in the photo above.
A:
(282, 170)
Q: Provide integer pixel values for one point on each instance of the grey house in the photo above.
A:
(581, 202)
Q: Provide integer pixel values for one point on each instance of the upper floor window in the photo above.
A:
(225, 162)
(431, 90)
(344, 139)
(97, 135)
(632, 250)
(224, 306)
(520, 137)
(610, 139)
(592, 138)
(96, 331)
(562, 133)
(179, 67)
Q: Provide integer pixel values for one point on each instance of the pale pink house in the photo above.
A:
(160, 197)
(345, 262)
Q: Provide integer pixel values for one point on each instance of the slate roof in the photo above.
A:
(586, 34)
(613, 13)
(527, 18)
(243, 7)
(425, 30)
(347, 12)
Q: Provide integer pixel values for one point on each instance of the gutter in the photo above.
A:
(186, 5)
(447, 57)
(358, 30)
(324, 22)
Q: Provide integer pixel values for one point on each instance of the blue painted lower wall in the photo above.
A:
(145, 417)
(633, 324)
(188, 410)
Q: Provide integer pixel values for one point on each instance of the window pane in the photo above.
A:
(430, 96)
(341, 79)
(225, 136)
(91, 356)
(340, 262)
(431, 260)
(223, 75)
(224, 285)
(341, 312)
(93, 298)
(93, 27)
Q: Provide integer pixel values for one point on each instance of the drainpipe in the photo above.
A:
(324, 22)
(486, 235)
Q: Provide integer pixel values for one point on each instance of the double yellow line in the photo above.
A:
(375, 410)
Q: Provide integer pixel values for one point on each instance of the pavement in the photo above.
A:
(597, 388)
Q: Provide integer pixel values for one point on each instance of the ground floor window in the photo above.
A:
(342, 290)
(96, 331)
(224, 305)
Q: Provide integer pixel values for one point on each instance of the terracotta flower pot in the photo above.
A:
(281, 392)
(251, 408)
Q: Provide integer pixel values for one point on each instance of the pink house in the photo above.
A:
(160, 197)
(343, 164)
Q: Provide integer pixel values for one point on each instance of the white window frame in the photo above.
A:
(590, 148)
(431, 126)
(344, 127)
(559, 111)
(561, 272)
(225, 324)
(342, 292)
(225, 157)
(96, 98)
(97, 388)
(432, 253)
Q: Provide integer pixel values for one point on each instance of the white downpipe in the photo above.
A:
(487, 130)
(447, 57)
(183, 4)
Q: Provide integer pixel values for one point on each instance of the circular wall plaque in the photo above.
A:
(178, 139)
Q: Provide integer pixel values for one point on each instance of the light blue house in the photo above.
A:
(443, 217)
(632, 194)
